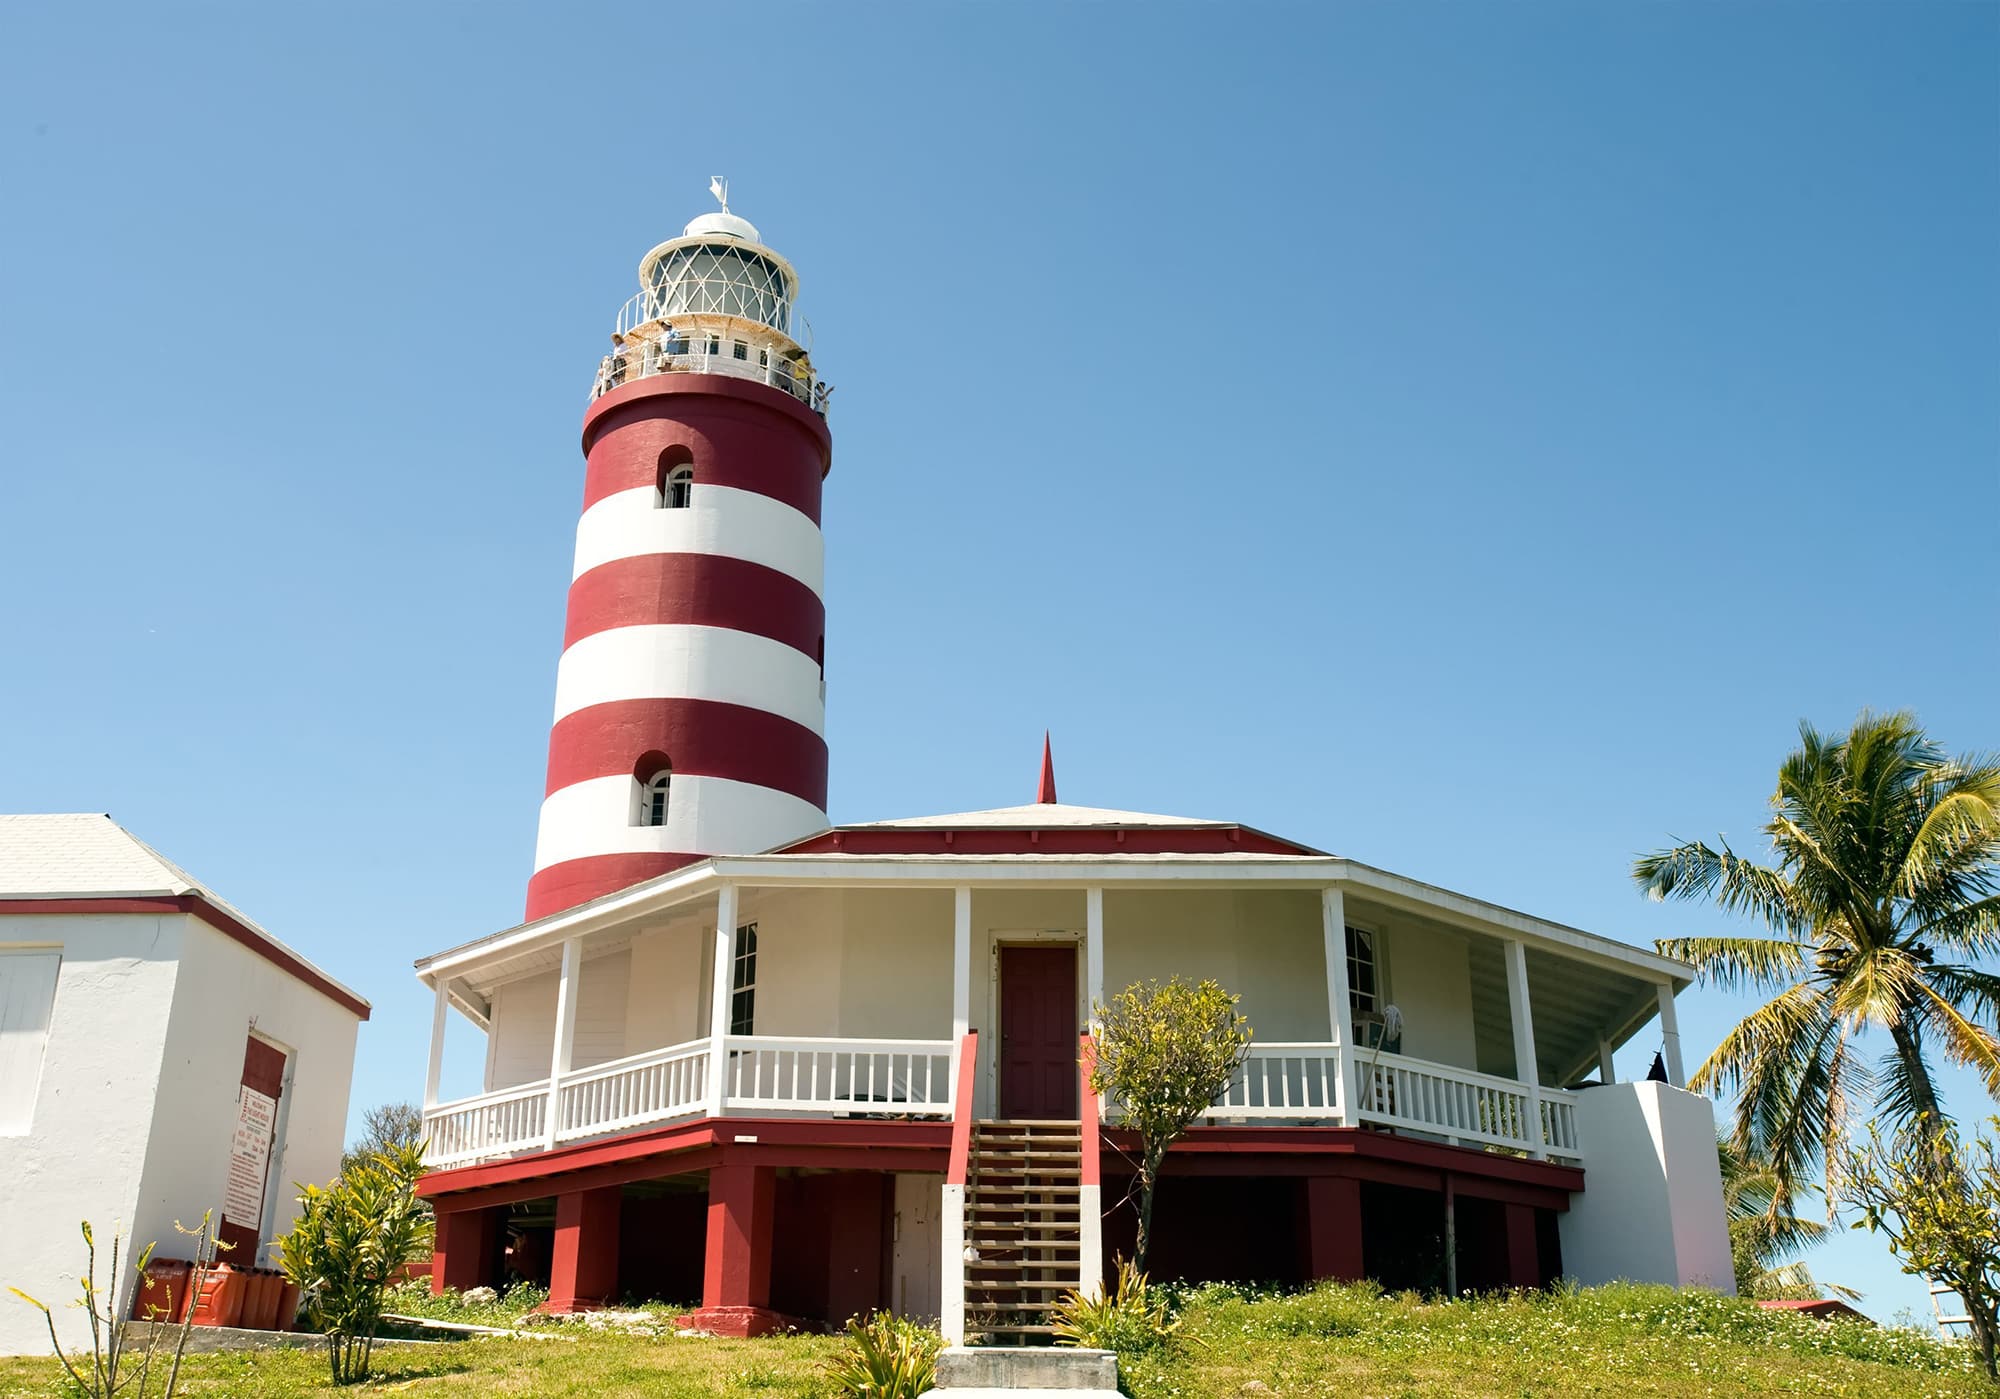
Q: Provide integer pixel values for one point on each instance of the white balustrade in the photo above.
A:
(895, 1078)
(653, 1087)
(1460, 1105)
(765, 1073)
(1297, 1083)
(493, 1124)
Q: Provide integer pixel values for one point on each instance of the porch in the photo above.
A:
(1375, 1002)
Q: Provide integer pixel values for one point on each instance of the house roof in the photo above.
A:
(1047, 828)
(85, 862)
(1035, 815)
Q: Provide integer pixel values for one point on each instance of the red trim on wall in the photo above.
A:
(1100, 840)
(229, 926)
(702, 590)
(1092, 1131)
(571, 882)
(961, 1110)
(703, 738)
(860, 1144)
(738, 434)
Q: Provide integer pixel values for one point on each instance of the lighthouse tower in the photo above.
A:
(691, 698)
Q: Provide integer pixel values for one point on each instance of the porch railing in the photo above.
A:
(1300, 1083)
(492, 1124)
(799, 1074)
(760, 1074)
(653, 1087)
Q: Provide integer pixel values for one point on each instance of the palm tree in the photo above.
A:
(1764, 1234)
(1882, 896)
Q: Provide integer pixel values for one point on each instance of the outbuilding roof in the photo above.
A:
(82, 862)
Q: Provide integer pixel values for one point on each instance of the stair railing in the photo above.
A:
(1090, 1197)
(952, 1275)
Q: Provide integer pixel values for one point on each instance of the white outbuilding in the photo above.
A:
(160, 1055)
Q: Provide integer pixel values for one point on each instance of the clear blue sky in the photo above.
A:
(1467, 438)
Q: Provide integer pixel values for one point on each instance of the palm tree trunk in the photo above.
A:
(1923, 1094)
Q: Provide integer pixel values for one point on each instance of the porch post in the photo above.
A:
(436, 1070)
(1670, 1036)
(1606, 1073)
(961, 976)
(1093, 948)
(1525, 1067)
(564, 1048)
(1339, 1009)
(718, 1005)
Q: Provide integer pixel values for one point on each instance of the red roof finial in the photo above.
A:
(1045, 794)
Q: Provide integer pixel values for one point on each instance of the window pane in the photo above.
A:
(742, 1012)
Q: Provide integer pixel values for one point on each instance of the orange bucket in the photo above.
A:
(222, 1297)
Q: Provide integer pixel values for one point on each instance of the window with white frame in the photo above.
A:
(27, 1000)
(743, 983)
(1364, 972)
(677, 493)
(653, 798)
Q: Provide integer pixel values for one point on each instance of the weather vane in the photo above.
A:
(719, 187)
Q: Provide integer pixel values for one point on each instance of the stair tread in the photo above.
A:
(1074, 1124)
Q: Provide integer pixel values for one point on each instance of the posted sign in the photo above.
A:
(250, 1158)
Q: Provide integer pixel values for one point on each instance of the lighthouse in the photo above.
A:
(691, 697)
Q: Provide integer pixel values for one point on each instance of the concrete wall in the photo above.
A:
(1651, 1206)
(137, 1108)
(84, 1153)
(225, 993)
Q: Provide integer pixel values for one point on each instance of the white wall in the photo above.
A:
(522, 1040)
(1651, 1205)
(665, 1002)
(1430, 981)
(225, 991)
(1266, 946)
(84, 1153)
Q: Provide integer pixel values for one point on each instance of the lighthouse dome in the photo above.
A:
(722, 224)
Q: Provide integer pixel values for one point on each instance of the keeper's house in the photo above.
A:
(845, 1075)
(160, 1055)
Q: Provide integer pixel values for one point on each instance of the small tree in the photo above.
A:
(1939, 1207)
(351, 1241)
(1165, 1052)
(384, 1126)
(108, 1370)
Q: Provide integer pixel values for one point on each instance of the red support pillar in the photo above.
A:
(1333, 1228)
(736, 1275)
(467, 1252)
(1524, 1262)
(583, 1273)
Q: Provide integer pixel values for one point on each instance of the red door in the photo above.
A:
(1038, 1032)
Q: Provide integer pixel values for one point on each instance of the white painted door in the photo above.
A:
(914, 1283)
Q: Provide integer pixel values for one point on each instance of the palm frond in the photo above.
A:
(1968, 988)
(1965, 1043)
(1878, 987)
(1971, 928)
(1694, 870)
(1960, 823)
(1760, 963)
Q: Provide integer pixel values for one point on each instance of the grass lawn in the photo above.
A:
(1333, 1341)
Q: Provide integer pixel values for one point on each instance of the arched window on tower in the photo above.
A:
(674, 483)
(653, 797)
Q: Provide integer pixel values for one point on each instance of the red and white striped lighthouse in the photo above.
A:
(691, 699)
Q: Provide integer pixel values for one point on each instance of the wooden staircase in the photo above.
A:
(1023, 1227)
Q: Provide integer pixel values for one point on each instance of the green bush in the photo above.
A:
(1130, 1318)
(352, 1239)
(887, 1357)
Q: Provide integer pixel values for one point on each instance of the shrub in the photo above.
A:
(888, 1357)
(1130, 1318)
(351, 1241)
